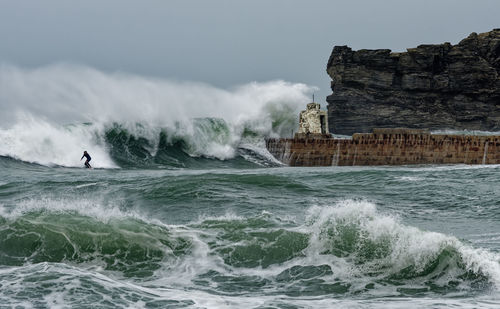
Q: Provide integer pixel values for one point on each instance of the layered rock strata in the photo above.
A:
(432, 86)
(387, 147)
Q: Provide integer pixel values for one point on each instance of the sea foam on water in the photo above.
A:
(51, 114)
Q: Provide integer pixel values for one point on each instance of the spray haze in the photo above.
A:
(46, 107)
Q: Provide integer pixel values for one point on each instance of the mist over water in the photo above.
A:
(50, 115)
(187, 209)
(68, 93)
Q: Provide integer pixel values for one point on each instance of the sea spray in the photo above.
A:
(210, 122)
(192, 219)
(37, 141)
(135, 233)
(379, 245)
(352, 238)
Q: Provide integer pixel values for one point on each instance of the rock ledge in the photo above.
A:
(439, 86)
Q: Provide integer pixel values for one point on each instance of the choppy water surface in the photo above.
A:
(249, 236)
(186, 209)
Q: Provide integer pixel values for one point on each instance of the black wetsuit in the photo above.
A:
(86, 155)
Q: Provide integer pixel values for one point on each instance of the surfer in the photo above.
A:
(86, 155)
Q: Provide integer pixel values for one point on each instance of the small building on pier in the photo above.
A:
(313, 122)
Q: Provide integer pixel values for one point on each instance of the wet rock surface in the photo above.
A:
(439, 86)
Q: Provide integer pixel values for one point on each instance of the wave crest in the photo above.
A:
(346, 248)
(209, 122)
(384, 248)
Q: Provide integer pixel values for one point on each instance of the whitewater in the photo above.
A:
(185, 208)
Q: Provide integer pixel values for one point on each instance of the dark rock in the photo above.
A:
(439, 86)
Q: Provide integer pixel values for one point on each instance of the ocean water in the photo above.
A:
(193, 212)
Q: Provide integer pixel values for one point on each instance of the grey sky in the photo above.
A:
(229, 42)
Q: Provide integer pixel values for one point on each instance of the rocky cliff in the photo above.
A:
(432, 86)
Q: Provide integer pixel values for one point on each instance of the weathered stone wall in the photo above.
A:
(439, 86)
(313, 120)
(387, 147)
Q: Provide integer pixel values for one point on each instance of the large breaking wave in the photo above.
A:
(50, 115)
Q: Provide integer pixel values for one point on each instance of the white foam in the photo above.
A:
(456, 167)
(409, 246)
(92, 208)
(410, 178)
(37, 141)
(260, 149)
(86, 185)
(64, 93)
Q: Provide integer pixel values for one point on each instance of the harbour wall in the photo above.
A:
(386, 147)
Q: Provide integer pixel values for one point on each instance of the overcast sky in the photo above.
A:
(227, 42)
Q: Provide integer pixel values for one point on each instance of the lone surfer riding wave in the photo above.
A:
(86, 155)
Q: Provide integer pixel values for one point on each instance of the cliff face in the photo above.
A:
(432, 86)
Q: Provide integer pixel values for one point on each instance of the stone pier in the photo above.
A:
(386, 147)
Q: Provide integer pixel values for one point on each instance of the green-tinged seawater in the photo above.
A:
(233, 234)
